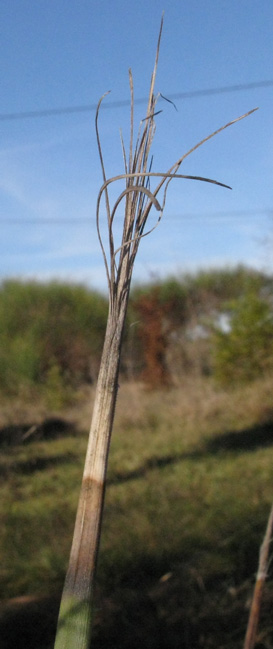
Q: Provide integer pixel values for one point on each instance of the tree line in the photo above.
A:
(217, 323)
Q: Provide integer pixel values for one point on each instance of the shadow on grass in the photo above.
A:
(127, 619)
(28, 622)
(51, 428)
(27, 467)
(145, 607)
(249, 439)
(177, 610)
(22, 434)
(242, 441)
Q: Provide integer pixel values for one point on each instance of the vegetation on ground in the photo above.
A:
(51, 335)
(49, 332)
(189, 492)
(245, 350)
(190, 470)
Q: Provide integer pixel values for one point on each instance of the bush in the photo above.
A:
(246, 350)
(49, 325)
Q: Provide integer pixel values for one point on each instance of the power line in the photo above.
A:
(69, 110)
(172, 217)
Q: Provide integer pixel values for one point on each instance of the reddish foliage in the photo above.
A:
(153, 332)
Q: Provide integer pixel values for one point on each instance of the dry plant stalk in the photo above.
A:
(254, 615)
(75, 617)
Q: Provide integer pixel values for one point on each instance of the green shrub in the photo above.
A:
(55, 389)
(45, 325)
(62, 326)
(246, 350)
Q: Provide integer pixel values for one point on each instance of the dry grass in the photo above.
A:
(196, 401)
(189, 490)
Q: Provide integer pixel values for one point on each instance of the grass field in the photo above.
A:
(190, 486)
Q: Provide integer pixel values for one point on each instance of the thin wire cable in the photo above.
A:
(172, 217)
(69, 110)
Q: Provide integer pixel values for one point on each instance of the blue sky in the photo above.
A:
(58, 55)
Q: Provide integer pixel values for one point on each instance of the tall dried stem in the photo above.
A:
(254, 615)
(75, 617)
